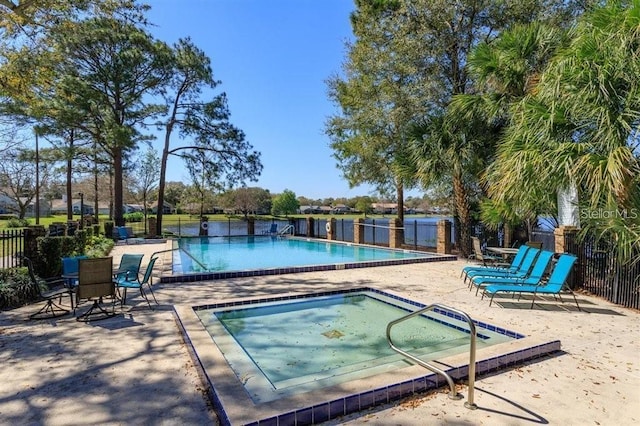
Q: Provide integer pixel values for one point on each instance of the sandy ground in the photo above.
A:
(134, 369)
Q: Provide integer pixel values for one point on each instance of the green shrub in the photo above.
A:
(16, 288)
(98, 246)
(17, 223)
(52, 250)
(133, 217)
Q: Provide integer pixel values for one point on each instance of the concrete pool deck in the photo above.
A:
(135, 368)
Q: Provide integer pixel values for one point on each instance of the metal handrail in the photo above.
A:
(287, 229)
(203, 266)
(472, 353)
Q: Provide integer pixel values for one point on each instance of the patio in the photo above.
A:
(135, 368)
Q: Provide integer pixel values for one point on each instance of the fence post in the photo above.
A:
(204, 226)
(358, 230)
(311, 232)
(251, 226)
(443, 244)
(565, 242)
(563, 236)
(331, 229)
(151, 225)
(396, 233)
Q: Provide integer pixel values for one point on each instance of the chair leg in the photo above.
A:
(49, 310)
(101, 313)
(576, 300)
(144, 295)
(153, 294)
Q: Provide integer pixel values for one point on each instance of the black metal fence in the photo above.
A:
(547, 238)
(418, 234)
(11, 246)
(600, 272)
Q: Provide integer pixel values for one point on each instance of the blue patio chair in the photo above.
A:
(273, 230)
(515, 264)
(70, 267)
(129, 266)
(522, 271)
(70, 272)
(537, 273)
(553, 286)
(122, 233)
(136, 282)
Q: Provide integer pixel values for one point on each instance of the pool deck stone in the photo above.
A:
(136, 369)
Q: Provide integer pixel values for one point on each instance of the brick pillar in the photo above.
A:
(566, 242)
(560, 234)
(443, 245)
(331, 229)
(151, 224)
(204, 226)
(396, 233)
(311, 230)
(251, 226)
(358, 230)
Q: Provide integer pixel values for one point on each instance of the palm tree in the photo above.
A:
(507, 70)
(444, 148)
(580, 126)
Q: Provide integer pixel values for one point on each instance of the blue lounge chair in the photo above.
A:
(515, 264)
(522, 271)
(554, 286)
(534, 277)
(136, 282)
(122, 233)
(126, 234)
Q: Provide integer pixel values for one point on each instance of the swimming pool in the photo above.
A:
(303, 359)
(202, 258)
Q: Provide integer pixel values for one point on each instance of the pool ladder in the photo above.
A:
(472, 352)
(289, 229)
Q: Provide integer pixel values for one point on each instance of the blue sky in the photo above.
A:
(273, 58)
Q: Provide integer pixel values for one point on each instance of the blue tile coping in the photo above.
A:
(234, 407)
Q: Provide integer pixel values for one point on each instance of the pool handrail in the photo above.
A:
(289, 229)
(472, 352)
(203, 266)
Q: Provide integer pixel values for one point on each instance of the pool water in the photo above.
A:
(282, 348)
(221, 254)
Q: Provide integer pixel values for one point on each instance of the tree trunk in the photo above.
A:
(118, 199)
(463, 212)
(69, 178)
(96, 206)
(161, 184)
(400, 195)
